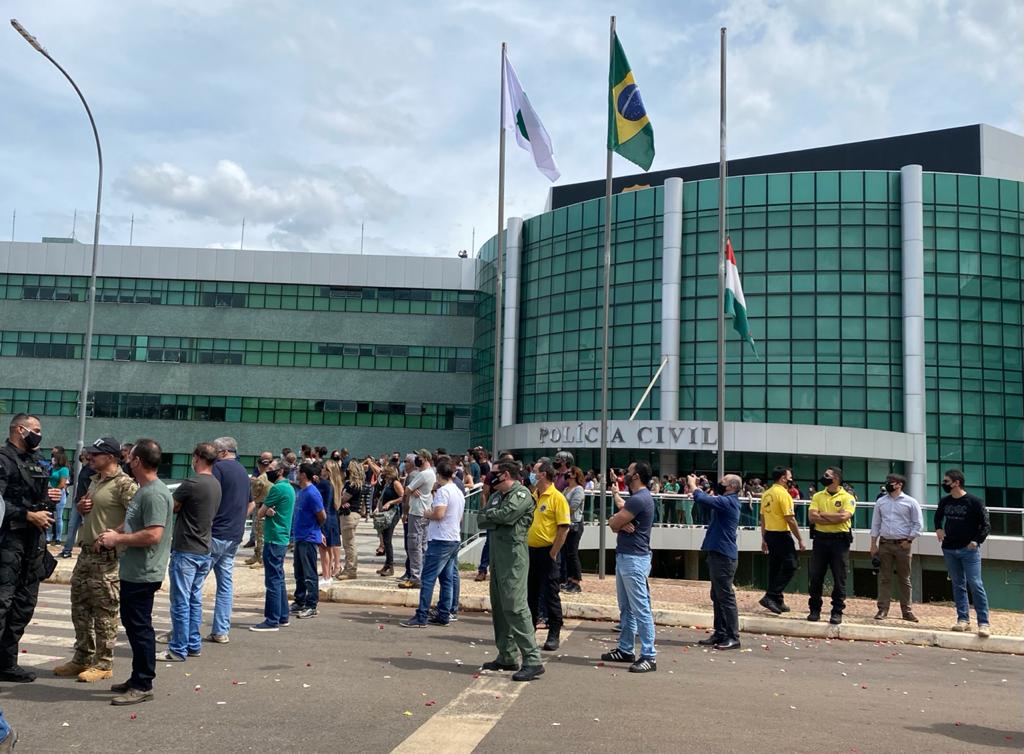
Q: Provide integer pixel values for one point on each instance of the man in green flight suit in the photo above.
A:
(508, 516)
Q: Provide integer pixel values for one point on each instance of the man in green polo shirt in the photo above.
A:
(276, 514)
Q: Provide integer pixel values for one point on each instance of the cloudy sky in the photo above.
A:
(308, 118)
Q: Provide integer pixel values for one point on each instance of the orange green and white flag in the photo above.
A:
(735, 303)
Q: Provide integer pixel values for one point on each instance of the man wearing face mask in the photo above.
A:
(831, 511)
(896, 522)
(778, 527)
(95, 581)
(28, 506)
(547, 535)
(507, 517)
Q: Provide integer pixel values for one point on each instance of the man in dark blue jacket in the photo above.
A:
(723, 512)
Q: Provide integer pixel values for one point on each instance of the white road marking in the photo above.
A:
(464, 722)
(49, 641)
(32, 660)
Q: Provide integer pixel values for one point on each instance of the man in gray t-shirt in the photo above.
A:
(147, 542)
(195, 501)
(419, 496)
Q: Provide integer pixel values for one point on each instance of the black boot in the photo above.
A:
(552, 642)
(528, 673)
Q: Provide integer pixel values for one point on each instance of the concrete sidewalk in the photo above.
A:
(676, 603)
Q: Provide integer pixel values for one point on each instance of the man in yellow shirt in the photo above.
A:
(778, 527)
(831, 512)
(550, 527)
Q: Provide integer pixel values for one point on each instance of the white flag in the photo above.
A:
(519, 116)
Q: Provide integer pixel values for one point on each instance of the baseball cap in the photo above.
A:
(107, 445)
(424, 453)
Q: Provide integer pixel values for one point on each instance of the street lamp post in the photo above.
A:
(83, 396)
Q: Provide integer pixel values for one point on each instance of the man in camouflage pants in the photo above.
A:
(260, 487)
(95, 588)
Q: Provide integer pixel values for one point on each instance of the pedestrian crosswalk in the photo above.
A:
(49, 638)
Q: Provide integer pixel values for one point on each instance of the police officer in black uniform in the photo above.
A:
(28, 515)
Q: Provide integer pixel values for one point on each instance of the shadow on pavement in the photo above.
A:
(58, 692)
(976, 734)
(417, 663)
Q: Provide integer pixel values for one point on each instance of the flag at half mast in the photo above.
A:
(519, 116)
(630, 132)
(735, 303)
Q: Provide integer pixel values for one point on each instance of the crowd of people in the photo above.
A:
(133, 531)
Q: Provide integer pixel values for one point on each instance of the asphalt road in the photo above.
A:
(352, 680)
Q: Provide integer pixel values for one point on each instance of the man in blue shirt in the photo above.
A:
(896, 522)
(632, 525)
(236, 505)
(309, 514)
(723, 511)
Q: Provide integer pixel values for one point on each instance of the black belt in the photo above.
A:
(896, 541)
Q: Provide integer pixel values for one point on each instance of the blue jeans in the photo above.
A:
(441, 561)
(222, 556)
(73, 524)
(5, 728)
(187, 574)
(964, 566)
(635, 617)
(58, 517)
(307, 584)
(275, 608)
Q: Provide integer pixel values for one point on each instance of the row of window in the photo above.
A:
(286, 296)
(247, 410)
(240, 352)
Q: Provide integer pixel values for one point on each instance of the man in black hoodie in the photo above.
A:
(961, 525)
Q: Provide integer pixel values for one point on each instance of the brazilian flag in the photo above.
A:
(629, 129)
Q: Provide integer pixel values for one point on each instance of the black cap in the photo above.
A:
(107, 445)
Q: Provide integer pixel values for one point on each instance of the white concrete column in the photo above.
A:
(510, 334)
(671, 266)
(914, 410)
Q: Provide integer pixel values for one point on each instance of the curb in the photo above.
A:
(691, 619)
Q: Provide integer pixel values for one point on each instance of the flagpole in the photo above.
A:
(602, 547)
(722, 174)
(499, 279)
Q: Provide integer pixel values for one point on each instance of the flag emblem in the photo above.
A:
(629, 129)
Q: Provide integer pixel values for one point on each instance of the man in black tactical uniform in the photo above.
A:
(28, 515)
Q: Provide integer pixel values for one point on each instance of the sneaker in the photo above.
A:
(195, 653)
(984, 630)
(412, 623)
(643, 665)
(284, 624)
(386, 571)
(308, 612)
(325, 583)
(572, 588)
(617, 655)
(8, 743)
(294, 608)
(65, 554)
(835, 619)
(452, 617)
(433, 620)
(480, 576)
(91, 675)
(264, 626)
(409, 584)
(961, 626)
(169, 656)
(218, 638)
(69, 669)
(132, 696)
(348, 576)
(17, 674)
(769, 604)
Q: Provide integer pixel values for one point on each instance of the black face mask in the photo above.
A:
(947, 488)
(890, 487)
(418, 462)
(32, 439)
(720, 488)
(273, 475)
(825, 481)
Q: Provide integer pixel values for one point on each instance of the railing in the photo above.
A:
(674, 509)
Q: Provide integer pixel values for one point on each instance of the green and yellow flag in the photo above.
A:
(629, 129)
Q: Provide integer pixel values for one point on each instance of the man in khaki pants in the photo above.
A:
(895, 523)
(259, 486)
(349, 516)
(95, 584)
